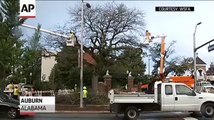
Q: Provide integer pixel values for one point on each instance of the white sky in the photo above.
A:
(177, 26)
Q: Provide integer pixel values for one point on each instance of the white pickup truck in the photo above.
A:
(172, 97)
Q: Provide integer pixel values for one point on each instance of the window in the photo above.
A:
(3, 98)
(183, 90)
(168, 89)
(206, 84)
(197, 84)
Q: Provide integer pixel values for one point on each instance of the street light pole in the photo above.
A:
(149, 64)
(81, 54)
(194, 54)
(81, 59)
(30, 77)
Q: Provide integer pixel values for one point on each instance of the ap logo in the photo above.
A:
(27, 9)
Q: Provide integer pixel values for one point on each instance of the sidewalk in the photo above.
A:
(87, 109)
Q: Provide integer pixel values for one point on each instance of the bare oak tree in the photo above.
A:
(108, 29)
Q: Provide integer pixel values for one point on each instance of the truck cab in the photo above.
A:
(167, 97)
(176, 97)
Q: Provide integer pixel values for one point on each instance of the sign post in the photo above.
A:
(210, 47)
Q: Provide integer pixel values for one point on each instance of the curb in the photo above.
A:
(78, 105)
(60, 108)
(91, 112)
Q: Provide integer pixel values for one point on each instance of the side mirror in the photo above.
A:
(191, 93)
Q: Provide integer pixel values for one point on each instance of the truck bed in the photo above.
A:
(131, 98)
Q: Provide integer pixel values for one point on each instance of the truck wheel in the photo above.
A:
(131, 113)
(12, 113)
(207, 110)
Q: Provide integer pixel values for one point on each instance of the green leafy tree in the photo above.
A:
(31, 60)
(180, 65)
(66, 72)
(130, 60)
(155, 49)
(54, 83)
(10, 42)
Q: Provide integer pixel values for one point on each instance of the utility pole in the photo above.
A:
(149, 64)
(194, 55)
(81, 53)
(81, 58)
(149, 39)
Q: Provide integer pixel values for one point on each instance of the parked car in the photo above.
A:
(204, 86)
(9, 106)
(208, 89)
(203, 83)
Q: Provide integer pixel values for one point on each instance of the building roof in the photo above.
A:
(46, 53)
(210, 70)
(199, 61)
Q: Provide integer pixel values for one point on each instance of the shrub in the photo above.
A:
(97, 99)
(74, 99)
(3, 84)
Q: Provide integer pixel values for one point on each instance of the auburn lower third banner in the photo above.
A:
(37, 104)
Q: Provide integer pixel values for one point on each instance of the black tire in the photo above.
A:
(12, 113)
(131, 113)
(207, 110)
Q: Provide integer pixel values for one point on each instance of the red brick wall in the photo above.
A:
(102, 88)
(108, 84)
(130, 84)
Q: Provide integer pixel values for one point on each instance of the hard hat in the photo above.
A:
(84, 87)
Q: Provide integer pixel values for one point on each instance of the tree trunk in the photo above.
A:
(95, 83)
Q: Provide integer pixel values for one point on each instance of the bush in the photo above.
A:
(3, 84)
(97, 99)
(74, 99)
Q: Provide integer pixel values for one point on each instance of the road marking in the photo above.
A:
(189, 118)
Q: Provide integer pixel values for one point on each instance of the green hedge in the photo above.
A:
(74, 99)
(3, 84)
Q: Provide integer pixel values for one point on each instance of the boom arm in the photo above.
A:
(162, 57)
(149, 39)
(70, 39)
(46, 31)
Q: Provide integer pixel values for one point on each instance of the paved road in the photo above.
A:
(107, 116)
